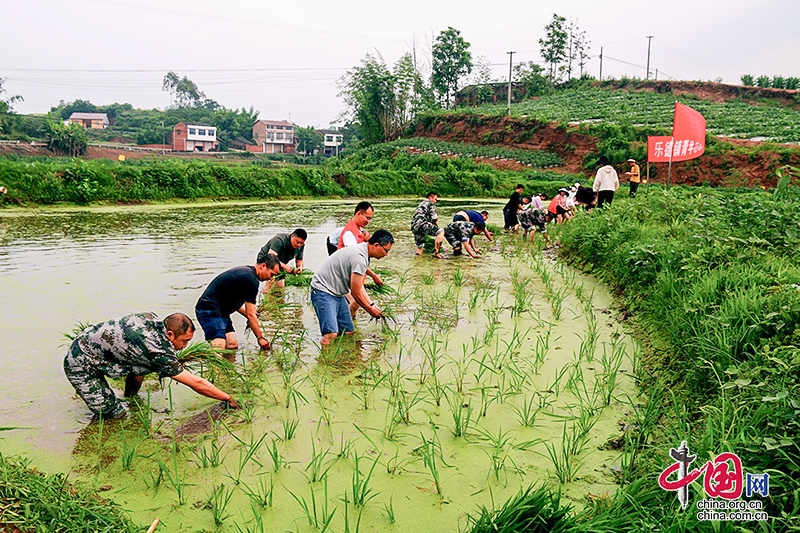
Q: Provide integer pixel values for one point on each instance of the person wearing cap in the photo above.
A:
(131, 347)
(343, 273)
(470, 215)
(235, 290)
(606, 182)
(634, 177)
(557, 209)
(286, 247)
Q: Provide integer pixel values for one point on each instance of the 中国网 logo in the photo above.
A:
(724, 482)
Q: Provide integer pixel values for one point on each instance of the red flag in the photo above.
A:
(689, 133)
(659, 149)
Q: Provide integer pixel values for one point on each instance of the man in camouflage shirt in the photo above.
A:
(424, 223)
(462, 234)
(131, 346)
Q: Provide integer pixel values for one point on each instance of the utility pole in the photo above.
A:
(649, 38)
(510, 56)
(601, 64)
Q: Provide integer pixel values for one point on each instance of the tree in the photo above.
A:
(368, 93)
(481, 78)
(578, 50)
(748, 80)
(66, 139)
(308, 139)
(183, 91)
(451, 60)
(532, 75)
(9, 121)
(553, 46)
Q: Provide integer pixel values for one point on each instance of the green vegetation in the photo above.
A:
(532, 158)
(653, 112)
(713, 281)
(32, 501)
(369, 172)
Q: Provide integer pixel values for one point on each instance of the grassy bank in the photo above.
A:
(32, 501)
(38, 181)
(712, 278)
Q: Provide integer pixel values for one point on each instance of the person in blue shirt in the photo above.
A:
(470, 215)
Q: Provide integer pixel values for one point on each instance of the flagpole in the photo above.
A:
(669, 170)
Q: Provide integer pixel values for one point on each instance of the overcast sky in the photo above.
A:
(284, 58)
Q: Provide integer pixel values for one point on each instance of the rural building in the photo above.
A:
(331, 141)
(194, 137)
(93, 121)
(273, 137)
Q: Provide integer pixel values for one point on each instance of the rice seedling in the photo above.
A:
(556, 299)
(610, 363)
(589, 341)
(396, 464)
(218, 502)
(362, 492)
(317, 468)
(458, 277)
(433, 350)
(289, 428)
(428, 278)
(345, 448)
(523, 296)
(173, 475)
(565, 464)
(501, 446)
(263, 493)
(526, 413)
(128, 452)
(555, 387)
(278, 461)
(492, 323)
(388, 509)
(461, 411)
(317, 520)
(209, 456)
(143, 413)
(247, 453)
(428, 451)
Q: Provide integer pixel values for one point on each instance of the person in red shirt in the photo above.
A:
(355, 232)
(558, 206)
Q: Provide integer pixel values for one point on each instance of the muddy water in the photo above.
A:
(465, 340)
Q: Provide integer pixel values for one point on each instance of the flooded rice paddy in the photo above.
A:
(494, 374)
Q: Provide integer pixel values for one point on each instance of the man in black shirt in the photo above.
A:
(512, 208)
(234, 290)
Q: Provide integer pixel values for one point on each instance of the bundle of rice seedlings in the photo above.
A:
(299, 280)
(532, 510)
(204, 353)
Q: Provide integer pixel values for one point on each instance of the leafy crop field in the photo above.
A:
(651, 110)
(532, 158)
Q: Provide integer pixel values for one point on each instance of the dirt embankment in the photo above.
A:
(752, 165)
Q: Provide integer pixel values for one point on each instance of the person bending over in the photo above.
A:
(131, 347)
(286, 247)
(343, 273)
(461, 236)
(235, 290)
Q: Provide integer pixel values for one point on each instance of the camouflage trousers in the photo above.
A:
(90, 384)
(422, 229)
